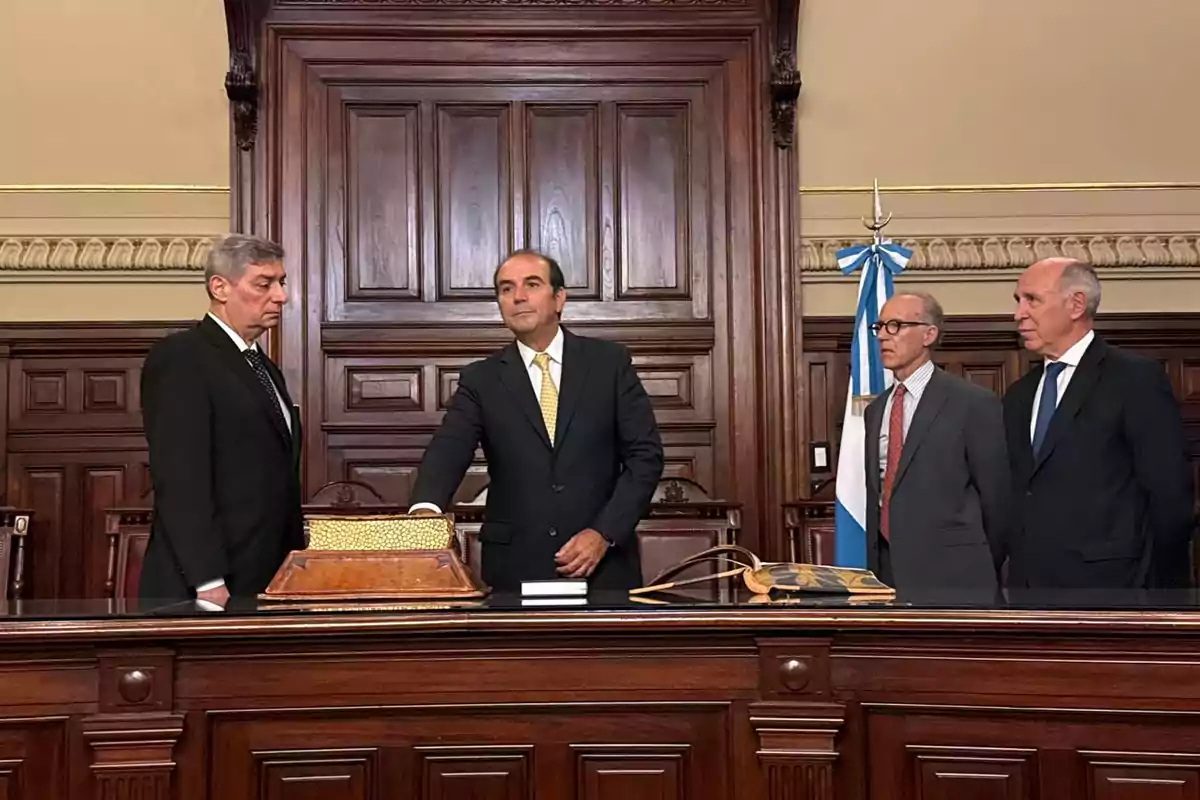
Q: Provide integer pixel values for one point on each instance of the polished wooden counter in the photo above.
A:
(737, 702)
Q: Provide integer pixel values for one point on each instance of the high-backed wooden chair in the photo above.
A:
(810, 528)
(345, 494)
(128, 532)
(682, 521)
(14, 528)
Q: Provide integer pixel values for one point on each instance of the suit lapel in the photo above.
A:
(927, 409)
(1027, 389)
(1078, 390)
(873, 419)
(574, 376)
(292, 412)
(515, 377)
(237, 363)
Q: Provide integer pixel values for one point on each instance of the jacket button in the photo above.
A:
(554, 531)
(556, 488)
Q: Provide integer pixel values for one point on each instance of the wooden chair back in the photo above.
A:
(14, 528)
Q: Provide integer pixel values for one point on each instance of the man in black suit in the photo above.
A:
(570, 438)
(1103, 493)
(937, 471)
(224, 439)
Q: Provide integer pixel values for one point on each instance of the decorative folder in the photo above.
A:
(373, 557)
(765, 579)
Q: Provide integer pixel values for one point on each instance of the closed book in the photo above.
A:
(554, 588)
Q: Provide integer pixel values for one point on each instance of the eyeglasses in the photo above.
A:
(893, 326)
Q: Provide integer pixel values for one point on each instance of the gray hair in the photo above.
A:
(233, 253)
(1080, 277)
(931, 312)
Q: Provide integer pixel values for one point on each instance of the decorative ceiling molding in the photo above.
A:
(956, 253)
(104, 254)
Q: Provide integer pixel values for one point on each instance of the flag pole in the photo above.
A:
(876, 264)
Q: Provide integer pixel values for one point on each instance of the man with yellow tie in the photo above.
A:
(572, 446)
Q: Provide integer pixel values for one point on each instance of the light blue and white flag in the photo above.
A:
(879, 263)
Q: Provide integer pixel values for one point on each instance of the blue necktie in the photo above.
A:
(1047, 404)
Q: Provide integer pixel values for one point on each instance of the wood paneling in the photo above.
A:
(647, 775)
(384, 241)
(474, 197)
(319, 775)
(804, 702)
(563, 154)
(986, 350)
(73, 443)
(653, 167)
(33, 758)
(628, 159)
(504, 752)
(487, 773)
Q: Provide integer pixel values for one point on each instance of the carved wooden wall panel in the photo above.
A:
(73, 443)
(33, 758)
(628, 161)
(499, 751)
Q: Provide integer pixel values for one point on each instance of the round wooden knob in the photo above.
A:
(794, 674)
(135, 685)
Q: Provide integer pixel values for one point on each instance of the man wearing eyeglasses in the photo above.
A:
(937, 464)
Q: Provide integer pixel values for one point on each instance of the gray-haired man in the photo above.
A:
(937, 471)
(224, 439)
(1102, 487)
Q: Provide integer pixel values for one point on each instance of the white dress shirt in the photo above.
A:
(555, 351)
(1071, 358)
(287, 418)
(914, 387)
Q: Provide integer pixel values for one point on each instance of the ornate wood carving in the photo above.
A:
(132, 739)
(242, 20)
(132, 754)
(797, 747)
(785, 77)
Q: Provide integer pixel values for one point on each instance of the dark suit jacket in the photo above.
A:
(600, 472)
(225, 470)
(1108, 501)
(948, 507)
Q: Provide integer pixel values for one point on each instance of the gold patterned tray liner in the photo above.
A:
(384, 532)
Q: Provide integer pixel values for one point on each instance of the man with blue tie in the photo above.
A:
(1102, 488)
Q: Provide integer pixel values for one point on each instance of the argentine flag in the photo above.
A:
(879, 263)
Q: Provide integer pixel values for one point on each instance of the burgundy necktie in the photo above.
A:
(895, 446)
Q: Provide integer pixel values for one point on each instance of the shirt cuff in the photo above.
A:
(206, 587)
(427, 506)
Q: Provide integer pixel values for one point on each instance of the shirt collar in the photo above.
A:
(238, 340)
(1075, 352)
(915, 384)
(554, 350)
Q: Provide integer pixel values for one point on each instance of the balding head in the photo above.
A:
(909, 325)
(1057, 300)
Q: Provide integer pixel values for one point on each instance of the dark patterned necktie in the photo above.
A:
(1047, 405)
(255, 359)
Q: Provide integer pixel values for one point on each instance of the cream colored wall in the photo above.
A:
(113, 156)
(987, 116)
(1001, 132)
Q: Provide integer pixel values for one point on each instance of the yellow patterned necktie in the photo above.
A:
(547, 395)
